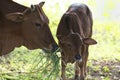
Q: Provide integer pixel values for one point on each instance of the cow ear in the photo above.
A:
(89, 41)
(32, 8)
(41, 4)
(15, 17)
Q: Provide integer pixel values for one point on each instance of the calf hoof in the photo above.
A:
(82, 78)
(63, 79)
(85, 74)
(76, 77)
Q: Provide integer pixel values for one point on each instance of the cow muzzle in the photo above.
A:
(53, 48)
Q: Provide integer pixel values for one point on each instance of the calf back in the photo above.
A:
(83, 23)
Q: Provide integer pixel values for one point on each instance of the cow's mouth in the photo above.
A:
(54, 48)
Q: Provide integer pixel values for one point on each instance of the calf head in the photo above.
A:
(73, 44)
(36, 27)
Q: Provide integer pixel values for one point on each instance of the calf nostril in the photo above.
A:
(77, 57)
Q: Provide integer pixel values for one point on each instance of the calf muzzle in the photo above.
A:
(78, 58)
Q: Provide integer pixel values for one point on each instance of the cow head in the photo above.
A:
(73, 43)
(35, 27)
(35, 11)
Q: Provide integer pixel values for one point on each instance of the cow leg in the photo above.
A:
(77, 71)
(63, 64)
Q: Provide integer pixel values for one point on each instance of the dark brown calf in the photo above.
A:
(28, 26)
(74, 35)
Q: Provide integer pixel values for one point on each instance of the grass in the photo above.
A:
(23, 64)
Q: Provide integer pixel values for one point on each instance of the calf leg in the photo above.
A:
(81, 66)
(77, 71)
(85, 60)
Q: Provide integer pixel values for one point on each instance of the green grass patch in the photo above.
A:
(24, 64)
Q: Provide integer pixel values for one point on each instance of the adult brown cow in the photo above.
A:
(74, 35)
(20, 25)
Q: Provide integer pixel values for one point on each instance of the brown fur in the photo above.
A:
(20, 25)
(74, 35)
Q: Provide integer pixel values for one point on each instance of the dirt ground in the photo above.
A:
(103, 70)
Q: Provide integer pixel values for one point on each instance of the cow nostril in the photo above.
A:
(77, 57)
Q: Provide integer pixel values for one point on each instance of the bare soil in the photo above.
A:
(104, 70)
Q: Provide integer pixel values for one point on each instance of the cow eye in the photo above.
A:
(38, 25)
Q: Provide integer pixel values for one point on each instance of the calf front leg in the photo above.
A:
(77, 71)
(82, 75)
(85, 60)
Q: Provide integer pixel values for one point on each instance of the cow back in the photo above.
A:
(8, 6)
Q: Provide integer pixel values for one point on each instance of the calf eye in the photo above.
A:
(69, 45)
(37, 24)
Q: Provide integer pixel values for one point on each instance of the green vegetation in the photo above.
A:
(24, 64)
(104, 58)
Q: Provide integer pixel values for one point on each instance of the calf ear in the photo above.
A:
(89, 41)
(15, 17)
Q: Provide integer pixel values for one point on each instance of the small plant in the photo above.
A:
(106, 69)
(106, 78)
(96, 68)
